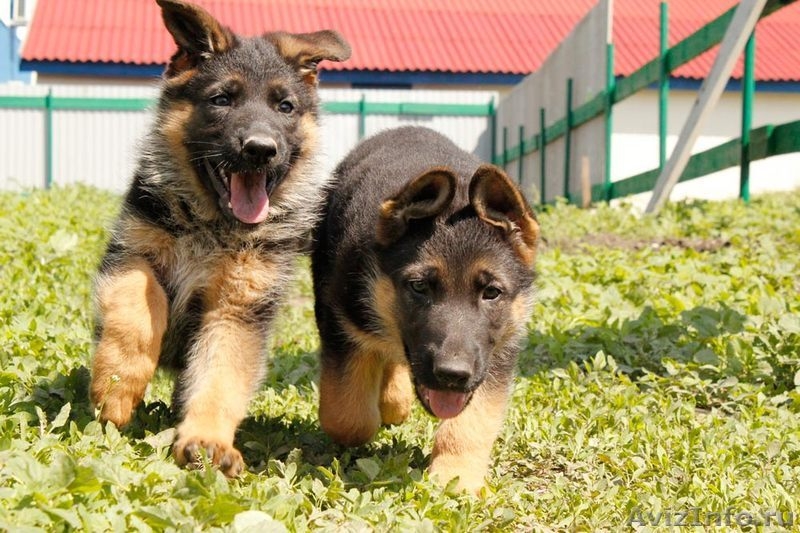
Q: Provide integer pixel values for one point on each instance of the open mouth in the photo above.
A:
(242, 195)
(443, 403)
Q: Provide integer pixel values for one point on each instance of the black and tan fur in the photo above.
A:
(223, 200)
(423, 276)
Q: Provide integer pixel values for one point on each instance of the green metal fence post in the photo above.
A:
(663, 85)
(568, 141)
(520, 166)
(493, 130)
(748, 89)
(542, 151)
(48, 139)
(362, 117)
(611, 84)
(504, 155)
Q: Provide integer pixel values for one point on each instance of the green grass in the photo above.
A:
(661, 377)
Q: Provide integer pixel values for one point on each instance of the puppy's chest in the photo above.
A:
(221, 275)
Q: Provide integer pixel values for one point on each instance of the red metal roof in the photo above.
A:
(461, 36)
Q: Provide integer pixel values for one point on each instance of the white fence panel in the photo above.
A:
(98, 146)
(339, 134)
(22, 134)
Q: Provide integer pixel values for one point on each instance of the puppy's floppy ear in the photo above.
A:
(196, 33)
(304, 51)
(497, 201)
(425, 196)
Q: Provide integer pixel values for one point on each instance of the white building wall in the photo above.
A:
(634, 147)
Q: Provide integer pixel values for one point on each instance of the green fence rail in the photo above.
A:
(49, 103)
(751, 146)
(764, 142)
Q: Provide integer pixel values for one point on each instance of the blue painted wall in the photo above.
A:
(9, 56)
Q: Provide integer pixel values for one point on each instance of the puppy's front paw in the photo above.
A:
(116, 398)
(188, 452)
(445, 468)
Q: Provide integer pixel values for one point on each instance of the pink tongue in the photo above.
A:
(249, 199)
(446, 404)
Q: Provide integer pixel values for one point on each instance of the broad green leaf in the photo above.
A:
(256, 522)
(62, 417)
(369, 466)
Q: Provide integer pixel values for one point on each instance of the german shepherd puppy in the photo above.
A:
(423, 278)
(223, 200)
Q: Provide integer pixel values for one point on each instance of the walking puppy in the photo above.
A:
(223, 199)
(423, 277)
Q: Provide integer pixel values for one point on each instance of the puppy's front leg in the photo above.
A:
(463, 445)
(224, 368)
(132, 312)
(226, 361)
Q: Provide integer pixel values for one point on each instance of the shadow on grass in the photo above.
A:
(714, 341)
(287, 438)
(50, 395)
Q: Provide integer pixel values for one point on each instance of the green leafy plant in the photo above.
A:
(661, 376)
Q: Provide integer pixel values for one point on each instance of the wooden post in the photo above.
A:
(742, 25)
(586, 183)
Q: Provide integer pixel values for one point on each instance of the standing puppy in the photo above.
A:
(423, 277)
(224, 196)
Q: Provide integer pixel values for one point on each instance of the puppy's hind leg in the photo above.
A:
(349, 396)
(397, 393)
(133, 310)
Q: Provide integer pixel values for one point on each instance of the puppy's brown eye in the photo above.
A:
(420, 286)
(221, 100)
(491, 293)
(286, 107)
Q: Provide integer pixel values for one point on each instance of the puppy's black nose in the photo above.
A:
(259, 150)
(453, 372)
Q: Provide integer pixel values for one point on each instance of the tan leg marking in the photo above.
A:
(226, 364)
(348, 399)
(133, 310)
(397, 393)
(224, 371)
(463, 445)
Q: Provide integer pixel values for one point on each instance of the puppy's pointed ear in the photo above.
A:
(425, 196)
(197, 34)
(497, 201)
(304, 51)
